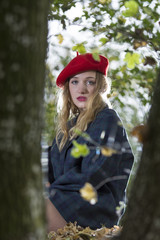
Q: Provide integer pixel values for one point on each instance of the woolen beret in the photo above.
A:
(82, 63)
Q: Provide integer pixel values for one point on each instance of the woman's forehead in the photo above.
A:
(85, 74)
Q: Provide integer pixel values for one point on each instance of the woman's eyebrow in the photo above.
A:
(85, 78)
(90, 77)
(73, 77)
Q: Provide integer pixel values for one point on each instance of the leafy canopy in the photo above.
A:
(127, 32)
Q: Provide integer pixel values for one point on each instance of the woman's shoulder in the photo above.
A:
(107, 113)
(104, 118)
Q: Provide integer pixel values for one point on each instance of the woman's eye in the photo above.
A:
(74, 82)
(90, 82)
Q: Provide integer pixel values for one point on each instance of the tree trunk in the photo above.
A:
(23, 31)
(142, 218)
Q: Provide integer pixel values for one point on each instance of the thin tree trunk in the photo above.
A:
(142, 219)
(23, 31)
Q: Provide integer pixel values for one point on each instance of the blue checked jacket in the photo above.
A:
(108, 174)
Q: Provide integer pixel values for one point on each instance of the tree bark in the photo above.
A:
(23, 31)
(142, 218)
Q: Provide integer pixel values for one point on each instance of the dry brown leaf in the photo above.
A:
(150, 61)
(140, 132)
(72, 231)
(60, 38)
(137, 44)
(106, 151)
(89, 193)
(99, 233)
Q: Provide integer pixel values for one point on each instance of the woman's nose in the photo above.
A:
(82, 88)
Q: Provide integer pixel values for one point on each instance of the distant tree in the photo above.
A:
(23, 31)
(50, 105)
(142, 216)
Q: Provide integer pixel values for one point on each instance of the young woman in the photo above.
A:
(84, 82)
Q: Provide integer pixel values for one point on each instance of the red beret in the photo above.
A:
(82, 63)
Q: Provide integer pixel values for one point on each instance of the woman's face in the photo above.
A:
(81, 87)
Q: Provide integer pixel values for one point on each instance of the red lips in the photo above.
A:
(81, 99)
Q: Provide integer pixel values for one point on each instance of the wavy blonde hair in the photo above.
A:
(69, 110)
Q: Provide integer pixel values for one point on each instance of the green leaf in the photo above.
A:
(132, 8)
(132, 59)
(80, 48)
(79, 150)
(103, 40)
(96, 56)
(74, 48)
(119, 35)
(102, 1)
(148, 10)
(76, 19)
(121, 20)
(114, 58)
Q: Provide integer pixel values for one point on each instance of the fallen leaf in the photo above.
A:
(72, 231)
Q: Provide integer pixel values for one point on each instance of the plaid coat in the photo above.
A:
(108, 174)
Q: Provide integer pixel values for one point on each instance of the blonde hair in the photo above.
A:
(69, 110)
